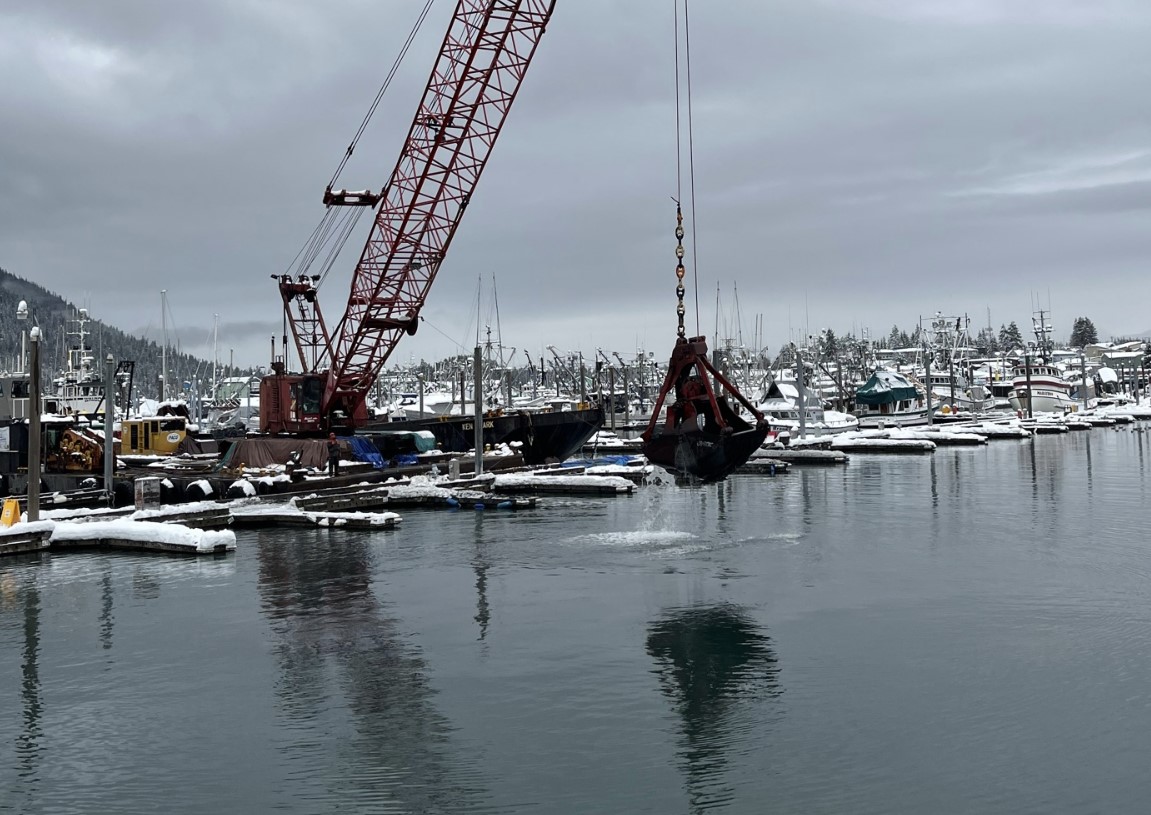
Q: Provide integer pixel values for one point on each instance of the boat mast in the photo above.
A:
(215, 352)
(164, 345)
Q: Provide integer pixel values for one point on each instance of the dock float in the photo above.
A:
(23, 538)
(805, 456)
(287, 514)
(361, 500)
(1046, 427)
(140, 536)
(563, 485)
(762, 465)
(865, 445)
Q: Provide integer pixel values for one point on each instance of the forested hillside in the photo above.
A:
(52, 313)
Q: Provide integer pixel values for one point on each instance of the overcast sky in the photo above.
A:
(859, 163)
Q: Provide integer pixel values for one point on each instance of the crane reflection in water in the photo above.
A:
(715, 665)
(349, 672)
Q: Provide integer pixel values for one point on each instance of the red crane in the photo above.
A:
(481, 64)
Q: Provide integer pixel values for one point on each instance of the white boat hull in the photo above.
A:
(909, 418)
(1044, 400)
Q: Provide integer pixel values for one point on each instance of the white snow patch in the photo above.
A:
(244, 486)
(200, 540)
(204, 485)
(619, 483)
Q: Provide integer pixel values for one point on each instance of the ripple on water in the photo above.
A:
(636, 538)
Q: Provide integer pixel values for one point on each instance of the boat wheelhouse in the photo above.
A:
(890, 399)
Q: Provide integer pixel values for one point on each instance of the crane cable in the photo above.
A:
(691, 161)
(680, 98)
(344, 224)
(383, 89)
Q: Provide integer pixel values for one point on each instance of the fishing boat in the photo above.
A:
(1039, 387)
(890, 399)
(786, 411)
(78, 390)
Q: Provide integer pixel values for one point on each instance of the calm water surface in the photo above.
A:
(963, 632)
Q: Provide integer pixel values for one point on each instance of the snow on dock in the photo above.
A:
(116, 533)
(803, 455)
(998, 430)
(565, 484)
(764, 465)
(25, 537)
(850, 443)
(289, 514)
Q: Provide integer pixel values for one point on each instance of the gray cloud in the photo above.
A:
(858, 163)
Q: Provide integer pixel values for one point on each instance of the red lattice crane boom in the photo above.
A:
(481, 64)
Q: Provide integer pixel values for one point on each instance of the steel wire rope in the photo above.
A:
(323, 231)
(383, 89)
(319, 237)
(691, 162)
(296, 263)
(350, 221)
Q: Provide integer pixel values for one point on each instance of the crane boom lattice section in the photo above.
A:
(481, 64)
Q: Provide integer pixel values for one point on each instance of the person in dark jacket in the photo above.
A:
(333, 455)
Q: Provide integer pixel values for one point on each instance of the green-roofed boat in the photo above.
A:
(890, 399)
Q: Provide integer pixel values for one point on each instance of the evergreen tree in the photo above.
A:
(1083, 333)
(1010, 338)
(987, 342)
(828, 344)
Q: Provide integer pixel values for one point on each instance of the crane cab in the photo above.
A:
(291, 403)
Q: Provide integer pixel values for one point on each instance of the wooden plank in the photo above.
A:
(22, 544)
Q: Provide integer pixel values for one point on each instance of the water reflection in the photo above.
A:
(480, 565)
(23, 597)
(340, 654)
(106, 606)
(1090, 472)
(714, 664)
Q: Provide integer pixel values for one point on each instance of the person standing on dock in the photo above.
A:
(333, 455)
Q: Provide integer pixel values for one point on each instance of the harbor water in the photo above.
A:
(967, 631)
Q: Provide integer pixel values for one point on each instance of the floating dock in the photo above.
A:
(804, 455)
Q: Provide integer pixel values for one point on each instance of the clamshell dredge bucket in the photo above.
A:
(701, 437)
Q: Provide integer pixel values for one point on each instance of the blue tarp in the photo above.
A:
(365, 451)
(603, 461)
